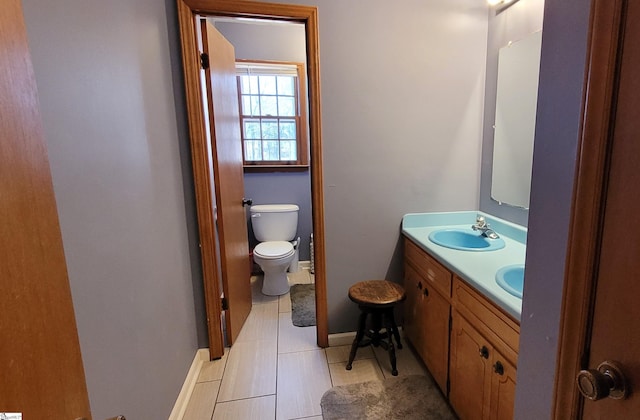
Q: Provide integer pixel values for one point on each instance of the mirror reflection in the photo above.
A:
(514, 128)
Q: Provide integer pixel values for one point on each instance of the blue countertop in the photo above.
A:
(478, 268)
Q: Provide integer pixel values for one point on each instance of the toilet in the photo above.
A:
(274, 225)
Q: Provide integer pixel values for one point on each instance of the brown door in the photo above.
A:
(601, 314)
(616, 313)
(224, 120)
(40, 362)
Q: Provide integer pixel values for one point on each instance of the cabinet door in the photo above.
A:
(413, 284)
(470, 370)
(503, 388)
(435, 334)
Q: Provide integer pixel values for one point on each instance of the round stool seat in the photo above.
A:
(377, 298)
(377, 293)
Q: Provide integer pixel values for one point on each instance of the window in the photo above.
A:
(273, 122)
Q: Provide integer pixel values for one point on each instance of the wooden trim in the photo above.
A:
(187, 9)
(588, 203)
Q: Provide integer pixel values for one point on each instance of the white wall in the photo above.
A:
(402, 102)
(103, 71)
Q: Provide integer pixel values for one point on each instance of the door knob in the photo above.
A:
(606, 381)
(246, 201)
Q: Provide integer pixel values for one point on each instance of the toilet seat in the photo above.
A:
(273, 250)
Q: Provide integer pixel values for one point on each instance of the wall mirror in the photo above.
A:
(514, 127)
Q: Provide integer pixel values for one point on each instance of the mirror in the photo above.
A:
(514, 128)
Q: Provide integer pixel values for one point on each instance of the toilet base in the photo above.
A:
(275, 284)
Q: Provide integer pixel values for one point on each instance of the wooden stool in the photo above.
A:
(378, 298)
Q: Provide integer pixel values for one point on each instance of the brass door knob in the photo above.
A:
(606, 381)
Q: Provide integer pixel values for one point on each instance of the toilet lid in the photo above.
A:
(273, 249)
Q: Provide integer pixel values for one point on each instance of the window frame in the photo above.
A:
(302, 123)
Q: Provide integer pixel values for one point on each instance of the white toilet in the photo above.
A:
(274, 225)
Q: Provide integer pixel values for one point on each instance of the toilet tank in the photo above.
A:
(274, 222)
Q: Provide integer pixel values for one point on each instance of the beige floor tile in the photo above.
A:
(261, 324)
(250, 371)
(292, 338)
(407, 362)
(299, 277)
(303, 377)
(361, 371)
(214, 369)
(260, 408)
(341, 353)
(284, 303)
(202, 401)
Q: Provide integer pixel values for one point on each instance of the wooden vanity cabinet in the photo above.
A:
(427, 310)
(484, 345)
(469, 345)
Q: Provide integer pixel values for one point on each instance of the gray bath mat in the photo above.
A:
(413, 397)
(303, 305)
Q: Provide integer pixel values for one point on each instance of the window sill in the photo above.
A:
(276, 168)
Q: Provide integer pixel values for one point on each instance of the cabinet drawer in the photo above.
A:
(434, 272)
(497, 326)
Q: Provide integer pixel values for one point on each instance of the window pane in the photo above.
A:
(270, 129)
(288, 129)
(267, 85)
(249, 84)
(250, 105)
(286, 106)
(285, 85)
(270, 150)
(253, 150)
(268, 105)
(252, 129)
(288, 150)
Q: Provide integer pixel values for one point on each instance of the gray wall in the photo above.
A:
(282, 43)
(402, 101)
(512, 24)
(104, 74)
(562, 70)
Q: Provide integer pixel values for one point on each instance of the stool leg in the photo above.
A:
(388, 317)
(362, 323)
(395, 331)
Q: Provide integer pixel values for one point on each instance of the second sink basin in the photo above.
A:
(511, 279)
(465, 240)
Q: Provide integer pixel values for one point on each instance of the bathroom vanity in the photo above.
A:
(464, 325)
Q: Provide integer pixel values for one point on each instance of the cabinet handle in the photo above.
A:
(484, 352)
(420, 285)
(498, 368)
(426, 291)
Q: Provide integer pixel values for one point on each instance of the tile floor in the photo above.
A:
(275, 370)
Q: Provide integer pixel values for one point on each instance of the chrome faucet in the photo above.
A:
(482, 226)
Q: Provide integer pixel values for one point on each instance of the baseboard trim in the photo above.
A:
(179, 408)
(304, 265)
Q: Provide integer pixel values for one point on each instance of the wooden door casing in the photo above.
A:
(42, 372)
(188, 10)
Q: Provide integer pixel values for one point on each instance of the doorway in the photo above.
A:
(189, 12)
